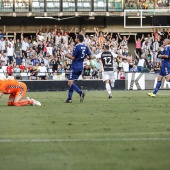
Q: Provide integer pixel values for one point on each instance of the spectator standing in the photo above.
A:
(17, 45)
(25, 46)
(4, 59)
(124, 40)
(2, 33)
(50, 35)
(3, 45)
(40, 47)
(138, 44)
(49, 49)
(18, 60)
(141, 61)
(9, 70)
(35, 60)
(155, 45)
(125, 65)
(27, 62)
(10, 53)
(42, 72)
(17, 72)
(58, 38)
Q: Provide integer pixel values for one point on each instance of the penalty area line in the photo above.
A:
(80, 140)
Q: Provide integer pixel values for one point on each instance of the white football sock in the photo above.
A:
(112, 82)
(108, 88)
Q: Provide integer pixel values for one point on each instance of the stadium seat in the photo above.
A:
(50, 5)
(55, 77)
(57, 4)
(101, 4)
(24, 76)
(35, 4)
(4, 68)
(65, 5)
(11, 77)
(2, 74)
(42, 5)
(63, 76)
(79, 5)
(7, 5)
(71, 4)
(1, 71)
(87, 5)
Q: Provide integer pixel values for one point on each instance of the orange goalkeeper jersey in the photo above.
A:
(9, 86)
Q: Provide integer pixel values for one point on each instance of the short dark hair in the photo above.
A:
(80, 37)
(106, 47)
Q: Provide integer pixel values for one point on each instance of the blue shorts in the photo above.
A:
(74, 74)
(165, 70)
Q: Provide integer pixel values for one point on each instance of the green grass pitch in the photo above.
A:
(131, 131)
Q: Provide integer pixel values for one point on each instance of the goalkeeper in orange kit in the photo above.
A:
(17, 91)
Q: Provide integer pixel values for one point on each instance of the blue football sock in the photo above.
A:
(70, 92)
(158, 85)
(75, 87)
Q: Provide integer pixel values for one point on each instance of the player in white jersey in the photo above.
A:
(106, 67)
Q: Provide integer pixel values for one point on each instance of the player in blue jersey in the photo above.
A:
(165, 67)
(80, 52)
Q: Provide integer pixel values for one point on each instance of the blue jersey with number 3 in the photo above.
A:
(80, 52)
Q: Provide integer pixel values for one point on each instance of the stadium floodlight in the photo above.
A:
(43, 17)
(58, 19)
(136, 17)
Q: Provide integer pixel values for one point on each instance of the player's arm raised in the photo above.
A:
(126, 58)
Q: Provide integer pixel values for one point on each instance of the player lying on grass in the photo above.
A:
(17, 91)
(165, 67)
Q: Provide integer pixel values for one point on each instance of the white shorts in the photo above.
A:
(108, 75)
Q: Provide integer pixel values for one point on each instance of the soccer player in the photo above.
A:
(106, 67)
(165, 67)
(17, 91)
(80, 52)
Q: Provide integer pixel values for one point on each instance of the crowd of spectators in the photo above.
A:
(41, 56)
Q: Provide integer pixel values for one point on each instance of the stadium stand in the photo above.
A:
(99, 21)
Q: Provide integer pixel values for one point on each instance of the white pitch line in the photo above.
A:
(80, 140)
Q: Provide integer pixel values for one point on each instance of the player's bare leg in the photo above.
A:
(73, 87)
(158, 85)
(108, 88)
(10, 101)
(19, 101)
(112, 82)
(167, 78)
